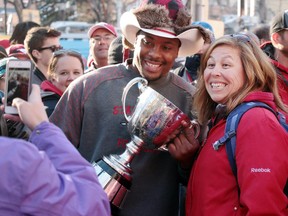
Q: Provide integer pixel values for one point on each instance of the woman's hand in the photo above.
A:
(185, 145)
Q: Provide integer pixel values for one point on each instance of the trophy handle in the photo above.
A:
(196, 126)
(143, 83)
(193, 124)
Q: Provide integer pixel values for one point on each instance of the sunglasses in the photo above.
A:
(69, 52)
(60, 53)
(241, 38)
(52, 48)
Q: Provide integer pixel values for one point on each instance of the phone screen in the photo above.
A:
(17, 84)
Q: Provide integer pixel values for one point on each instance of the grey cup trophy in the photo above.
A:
(153, 121)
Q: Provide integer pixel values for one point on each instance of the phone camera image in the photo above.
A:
(17, 83)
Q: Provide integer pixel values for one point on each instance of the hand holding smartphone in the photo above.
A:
(17, 83)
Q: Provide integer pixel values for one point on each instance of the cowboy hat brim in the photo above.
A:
(191, 39)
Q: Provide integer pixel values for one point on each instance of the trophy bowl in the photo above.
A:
(152, 125)
(154, 118)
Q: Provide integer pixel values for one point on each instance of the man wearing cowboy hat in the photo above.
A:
(91, 115)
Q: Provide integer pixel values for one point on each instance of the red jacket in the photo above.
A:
(281, 70)
(48, 86)
(262, 163)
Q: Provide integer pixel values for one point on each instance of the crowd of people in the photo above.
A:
(74, 116)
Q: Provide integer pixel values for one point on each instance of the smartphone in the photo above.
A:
(17, 82)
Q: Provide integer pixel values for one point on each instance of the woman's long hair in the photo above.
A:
(259, 74)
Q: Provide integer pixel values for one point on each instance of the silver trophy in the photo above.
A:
(151, 126)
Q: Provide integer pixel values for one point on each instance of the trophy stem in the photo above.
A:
(121, 163)
(132, 148)
(114, 173)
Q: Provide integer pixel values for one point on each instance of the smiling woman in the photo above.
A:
(236, 72)
(64, 67)
(224, 74)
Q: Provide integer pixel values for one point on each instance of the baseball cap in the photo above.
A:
(208, 29)
(102, 25)
(17, 50)
(173, 6)
(204, 25)
(279, 22)
(3, 63)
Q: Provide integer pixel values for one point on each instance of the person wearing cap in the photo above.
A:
(18, 51)
(10, 128)
(189, 71)
(100, 37)
(3, 63)
(94, 120)
(40, 43)
(277, 52)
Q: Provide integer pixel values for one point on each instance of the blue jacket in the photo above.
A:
(47, 176)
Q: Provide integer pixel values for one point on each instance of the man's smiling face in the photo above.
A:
(154, 56)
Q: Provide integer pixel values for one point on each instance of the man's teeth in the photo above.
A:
(152, 65)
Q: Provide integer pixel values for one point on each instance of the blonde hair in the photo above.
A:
(259, 74)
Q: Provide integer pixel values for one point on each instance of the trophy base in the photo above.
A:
(115, 185)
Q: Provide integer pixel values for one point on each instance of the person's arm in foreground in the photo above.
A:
(57, 180)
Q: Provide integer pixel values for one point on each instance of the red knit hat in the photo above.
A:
(172, 6)
(17, 50)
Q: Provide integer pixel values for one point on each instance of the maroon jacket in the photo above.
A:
(262, 163)
(281, 70)
(48, 86)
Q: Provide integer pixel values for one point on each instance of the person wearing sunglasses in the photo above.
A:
(233, 71)
(277, 50)
(41, 43)
(64, 67)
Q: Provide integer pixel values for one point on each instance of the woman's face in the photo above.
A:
(224, 74)
(67, 69)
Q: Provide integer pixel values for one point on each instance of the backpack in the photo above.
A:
(232, 121)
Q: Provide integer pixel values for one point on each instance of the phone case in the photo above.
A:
(17, 83)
